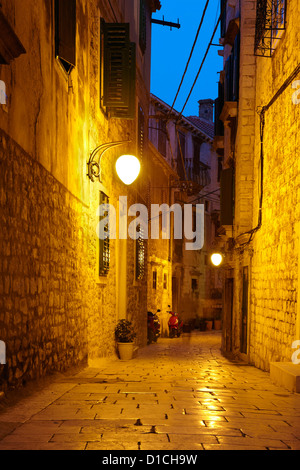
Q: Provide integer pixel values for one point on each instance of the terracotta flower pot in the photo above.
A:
(217, 324)
(125, 351)
(209, 325)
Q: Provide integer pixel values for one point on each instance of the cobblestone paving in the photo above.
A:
(178, 394)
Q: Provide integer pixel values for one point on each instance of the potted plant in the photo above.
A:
(125, 335)
(208, 325)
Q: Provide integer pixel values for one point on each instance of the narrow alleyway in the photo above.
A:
(178, 394)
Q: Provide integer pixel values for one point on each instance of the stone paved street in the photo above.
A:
(178, 394)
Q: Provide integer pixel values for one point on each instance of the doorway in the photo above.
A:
(244, 319)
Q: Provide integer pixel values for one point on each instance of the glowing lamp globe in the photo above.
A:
(128, 168)
(216, 259)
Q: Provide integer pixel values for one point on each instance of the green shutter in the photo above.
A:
(119, 73)
(128, 112)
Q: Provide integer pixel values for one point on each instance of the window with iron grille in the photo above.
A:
(140, 254)
(65, 33)
(270, 25)
(104, 245)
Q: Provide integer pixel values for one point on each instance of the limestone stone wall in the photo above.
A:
(276, 246)
(272, 257)
(44, 272)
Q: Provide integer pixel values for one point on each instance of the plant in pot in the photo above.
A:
(218, 321)
(125, 335)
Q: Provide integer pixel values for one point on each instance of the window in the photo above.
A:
(140, 254)
(220, 167)
(162, 137)
(118, 70)
(154, 279)
(270, 25)
(165, 283)
(141, 132)
(65, 33)
(223, 18)
(219, 103)
(227, 196)
(232, 72)
(143, 26)
(104, 245)
(194, 284)
(181, 155)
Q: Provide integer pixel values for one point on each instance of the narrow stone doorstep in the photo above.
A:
(286, 374)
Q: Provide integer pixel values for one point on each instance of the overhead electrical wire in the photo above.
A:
(190, 56)
(203, 60)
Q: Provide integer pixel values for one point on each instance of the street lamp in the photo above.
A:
(127, 166)
(216, 259)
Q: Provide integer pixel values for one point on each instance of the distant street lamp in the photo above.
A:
(216, 259)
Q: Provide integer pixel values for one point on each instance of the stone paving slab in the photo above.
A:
(179, 394)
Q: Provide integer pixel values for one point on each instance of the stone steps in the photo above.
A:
(286, 374)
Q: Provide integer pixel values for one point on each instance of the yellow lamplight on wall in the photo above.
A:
(216, 259)
(127, 166)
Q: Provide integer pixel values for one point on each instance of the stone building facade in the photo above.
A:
(59, 299)
(186, 147)
(259, 107)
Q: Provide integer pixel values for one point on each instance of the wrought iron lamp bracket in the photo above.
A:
(94, 166)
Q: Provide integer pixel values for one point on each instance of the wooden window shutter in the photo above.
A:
(227, 196)
(143, 26)
(119, 70)
(128, 112)
(65, 30)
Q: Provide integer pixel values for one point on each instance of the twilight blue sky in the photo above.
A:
(171, 50)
